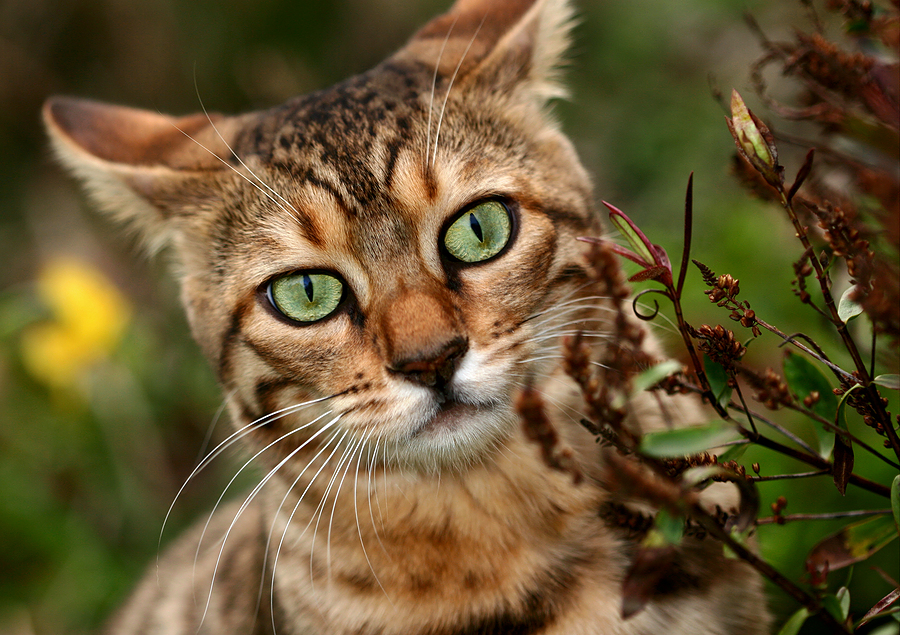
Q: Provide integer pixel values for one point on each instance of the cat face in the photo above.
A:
(386, 260)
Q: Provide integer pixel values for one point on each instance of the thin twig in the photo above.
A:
(779, 428)
(779, 520)
(785, 477)
(747, 411)
(790, 340)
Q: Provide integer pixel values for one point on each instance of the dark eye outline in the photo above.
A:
(264, 296)
(511, 212)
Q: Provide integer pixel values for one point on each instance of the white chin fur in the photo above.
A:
(469, 440)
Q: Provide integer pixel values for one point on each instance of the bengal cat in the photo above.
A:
(374, 271)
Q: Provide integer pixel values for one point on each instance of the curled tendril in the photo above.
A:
(646, 317)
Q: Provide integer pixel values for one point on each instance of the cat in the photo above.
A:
(374, 271)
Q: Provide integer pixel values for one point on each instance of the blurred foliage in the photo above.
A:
(89, 464)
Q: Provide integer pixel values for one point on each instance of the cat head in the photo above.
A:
(386, 259)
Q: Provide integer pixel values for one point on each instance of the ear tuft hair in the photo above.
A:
(514, 45)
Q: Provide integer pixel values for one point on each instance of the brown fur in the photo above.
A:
(404, 497)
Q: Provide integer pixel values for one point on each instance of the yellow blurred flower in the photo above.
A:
(90, 317)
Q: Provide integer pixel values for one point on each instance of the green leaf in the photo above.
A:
(847, 308)
(649, 378)
(655, 374)
(671, 528)
(734, 452)
(792, 626)
(718, 380)
(854, 543)
(688, 441)
(891, 382)
(804, 378)
(833, 606)
(868, 536)
(895, 500)
(843, 596)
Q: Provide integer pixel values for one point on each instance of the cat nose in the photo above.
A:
(433, 368)
(422, 336)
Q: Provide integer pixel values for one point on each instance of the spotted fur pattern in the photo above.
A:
(397, 494)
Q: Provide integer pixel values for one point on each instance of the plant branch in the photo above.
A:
(811, 459)
(785, 477)
(711, 525)
(849, 343)
(789, 339)
(780, 520)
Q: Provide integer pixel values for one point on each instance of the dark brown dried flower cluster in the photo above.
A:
(621, 359)
(675, 467)
(604, 269)
(539, 429)
(723, 292)
(771, 389)
(802, 271)
(778, 507)
(861, 402)
(846, 237)
(719, 344)
(852, 90)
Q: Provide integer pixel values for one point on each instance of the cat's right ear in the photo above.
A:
(142, 167)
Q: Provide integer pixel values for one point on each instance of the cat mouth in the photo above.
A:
(450, 415)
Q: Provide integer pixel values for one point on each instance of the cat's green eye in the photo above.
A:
(306, 297)
(479, 233)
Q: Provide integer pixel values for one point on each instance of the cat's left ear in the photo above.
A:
(144, 168)
(508, 45)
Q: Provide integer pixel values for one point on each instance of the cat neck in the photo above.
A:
(403, 535)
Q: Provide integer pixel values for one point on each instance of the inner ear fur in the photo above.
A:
(133, 137)
(140, 166)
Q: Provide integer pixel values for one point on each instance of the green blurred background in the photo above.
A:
(90, 460)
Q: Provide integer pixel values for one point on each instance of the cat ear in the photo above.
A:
(508, 45)
(141, 166)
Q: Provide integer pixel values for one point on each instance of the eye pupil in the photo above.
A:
(476, 227)
(308, 287)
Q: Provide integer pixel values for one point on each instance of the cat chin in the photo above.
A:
(457, 436)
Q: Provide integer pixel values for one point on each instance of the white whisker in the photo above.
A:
(290, 212)
(437, 133)
(297, 506)
(294, 510)
(293, 211)
(244, 466)
(437, 66)
(234, 437)
(349, 454)
(356, 513)
(252, 495)
(377, 500)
